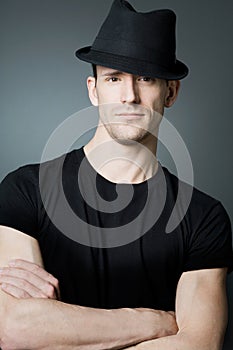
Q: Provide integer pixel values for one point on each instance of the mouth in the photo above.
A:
(130, 115)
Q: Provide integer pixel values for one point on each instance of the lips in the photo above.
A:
(130, 115)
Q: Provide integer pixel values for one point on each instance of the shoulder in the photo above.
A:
(29, 174)
(21, 205)
(205, 226)
(196, 205)
(199, 198)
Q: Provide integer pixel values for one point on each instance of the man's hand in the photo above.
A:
(23, 279)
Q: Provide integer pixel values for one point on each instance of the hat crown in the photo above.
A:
(142, 43)
(154, 30)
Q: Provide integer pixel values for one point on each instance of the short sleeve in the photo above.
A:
(210, 245)
(18, 204)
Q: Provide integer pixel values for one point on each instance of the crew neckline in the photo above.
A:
(155, 178)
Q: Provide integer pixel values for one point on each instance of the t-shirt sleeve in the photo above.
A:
(210, 245)
(18, 204)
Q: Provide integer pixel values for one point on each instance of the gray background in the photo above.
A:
(42, 83)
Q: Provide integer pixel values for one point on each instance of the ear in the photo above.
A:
(173, 87)
(91, 86)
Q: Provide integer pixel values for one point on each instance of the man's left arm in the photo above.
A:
(201, 313)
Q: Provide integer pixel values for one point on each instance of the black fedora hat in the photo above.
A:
(137, 43)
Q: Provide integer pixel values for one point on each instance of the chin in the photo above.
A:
(127, 135)
(126, 142)
(129, 139)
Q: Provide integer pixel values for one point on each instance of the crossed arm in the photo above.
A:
(41, 322)
(201, 313)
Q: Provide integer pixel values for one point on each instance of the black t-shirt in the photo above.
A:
(108, 244)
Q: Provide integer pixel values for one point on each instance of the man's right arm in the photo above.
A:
(35, 323)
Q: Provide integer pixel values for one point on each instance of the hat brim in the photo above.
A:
(131, 65)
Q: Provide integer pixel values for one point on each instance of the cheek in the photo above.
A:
(106, 110)
(157, 100)
(107, 94)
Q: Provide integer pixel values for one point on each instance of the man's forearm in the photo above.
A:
(180, 341)
(46, 324)
(166, 343)
(188, 339)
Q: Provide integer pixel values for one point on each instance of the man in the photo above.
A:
(155, 291)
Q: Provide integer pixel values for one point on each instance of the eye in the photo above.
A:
(146, 79)
(112, 79)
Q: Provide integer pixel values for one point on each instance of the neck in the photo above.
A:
(122, 163)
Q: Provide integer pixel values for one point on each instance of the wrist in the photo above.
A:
(146, 324)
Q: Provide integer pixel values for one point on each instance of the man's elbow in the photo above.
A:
(201, 341)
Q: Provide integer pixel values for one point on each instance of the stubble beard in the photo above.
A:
(129, 132)
(120, 134)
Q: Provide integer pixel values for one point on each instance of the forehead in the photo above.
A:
(101, 70)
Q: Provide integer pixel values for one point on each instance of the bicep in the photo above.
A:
(15, 244)
(201, 306)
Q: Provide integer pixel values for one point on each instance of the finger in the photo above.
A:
(14, 291)
(25, 286)
(34, 268)
(45, 287)
(37, 270)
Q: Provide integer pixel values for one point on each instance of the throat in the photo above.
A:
(127, 171)
(122, 167)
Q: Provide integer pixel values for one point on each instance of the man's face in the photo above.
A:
(130, 106)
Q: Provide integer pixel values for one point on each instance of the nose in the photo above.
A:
(129, 92)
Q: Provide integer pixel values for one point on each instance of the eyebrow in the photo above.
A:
(112, 73)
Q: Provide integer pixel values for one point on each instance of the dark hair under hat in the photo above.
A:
(137, 43)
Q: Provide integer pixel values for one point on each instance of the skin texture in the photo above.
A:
(201, 313)
(29, 309)
(130, 144)
(117, 92)
(24, 279)
(28, 302)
